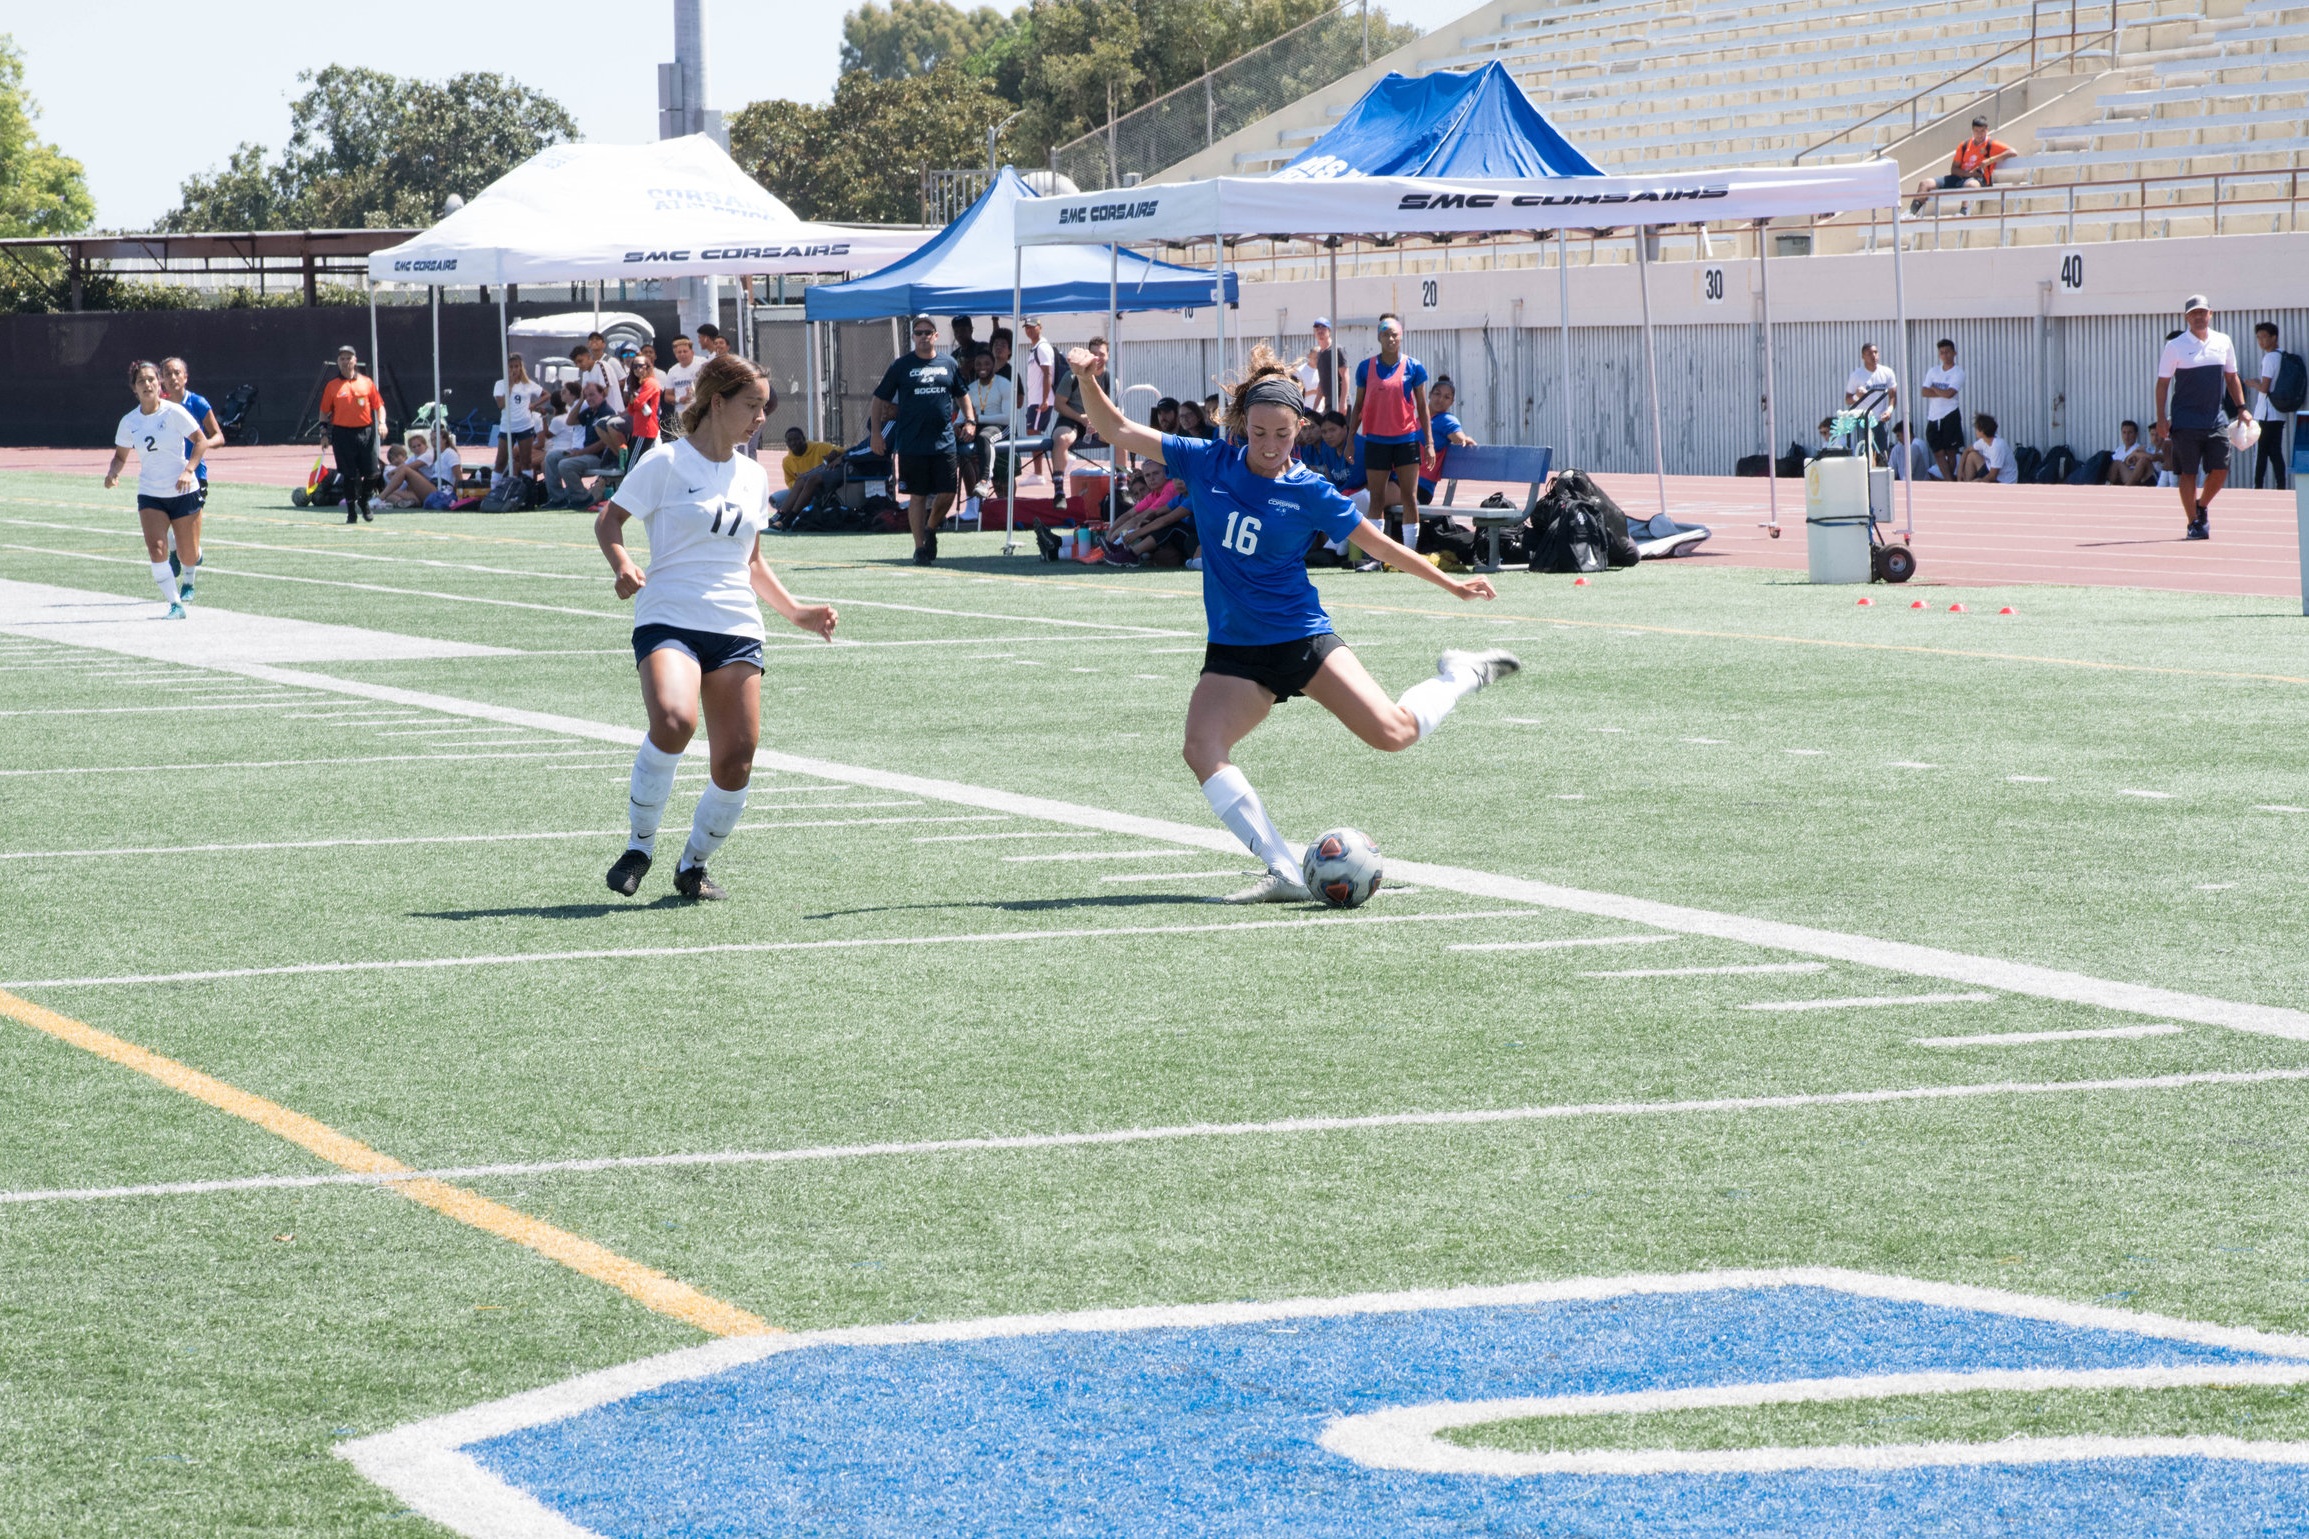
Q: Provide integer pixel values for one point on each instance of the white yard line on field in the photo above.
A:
(1279, 1127)
(333, 582)
(1557, 945)
(1019, 860)
(2024, 1038)
(1712, 972)
(372, 843)
(247, 764)
(1872, 1002)
(2009, 977)
(1238, 874)
(739, 948)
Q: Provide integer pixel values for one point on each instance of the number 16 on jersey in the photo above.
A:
(1242, 536)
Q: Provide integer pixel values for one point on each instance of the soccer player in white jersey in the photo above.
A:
(169, 446)
(697, 630)
(1256, 510)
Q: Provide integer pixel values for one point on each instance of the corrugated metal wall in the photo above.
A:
(2057, 380)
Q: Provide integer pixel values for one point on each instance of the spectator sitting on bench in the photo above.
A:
(605, 439)
(1973, 165)
(2130, 462)
(994, 401)
(809, 469)
(1072, 425)
(1990, 457)
(1442, 396)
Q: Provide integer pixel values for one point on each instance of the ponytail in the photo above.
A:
(725, 375)
(1264, 366)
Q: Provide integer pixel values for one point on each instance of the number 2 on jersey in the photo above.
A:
(1242, 536)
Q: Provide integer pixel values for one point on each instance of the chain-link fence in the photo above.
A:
(1237, 94)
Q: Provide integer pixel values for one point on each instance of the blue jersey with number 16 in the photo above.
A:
(1254, 531)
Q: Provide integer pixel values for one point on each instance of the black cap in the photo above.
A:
(1980, 122)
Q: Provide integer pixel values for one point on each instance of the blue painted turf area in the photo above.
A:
(1212, 1431)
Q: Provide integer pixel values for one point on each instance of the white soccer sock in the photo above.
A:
(165, 580)
(1430, 700)
(653, 771)
(716, 819)
(1239, 807)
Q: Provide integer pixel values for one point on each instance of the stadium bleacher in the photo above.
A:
(2137, 118)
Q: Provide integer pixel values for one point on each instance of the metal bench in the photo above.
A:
(1497, 462)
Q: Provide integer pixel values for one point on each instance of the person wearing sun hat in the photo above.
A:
(2196, 378)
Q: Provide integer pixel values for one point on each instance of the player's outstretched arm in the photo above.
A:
(112, 472)
(819, 619)
(1374, 541)
(1106, 417)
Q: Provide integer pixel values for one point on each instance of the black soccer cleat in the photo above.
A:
(625, 877)
(693, 883)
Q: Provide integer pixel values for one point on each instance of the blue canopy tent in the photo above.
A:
(1476, 124)
(960, 272)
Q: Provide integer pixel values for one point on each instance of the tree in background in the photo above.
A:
(1071, 66)
(861, 157)
(367, 150)
(43, 191)
(913, 37)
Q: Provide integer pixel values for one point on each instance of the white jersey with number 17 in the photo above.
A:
(703, 520)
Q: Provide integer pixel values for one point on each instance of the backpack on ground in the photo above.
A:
(2093, 471)
(2059, 464)
(1578, 528)
(1752, 465)
(1790, 466)
(2289, 391)
(2026, 461)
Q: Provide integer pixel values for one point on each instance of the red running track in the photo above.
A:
(1973, 535)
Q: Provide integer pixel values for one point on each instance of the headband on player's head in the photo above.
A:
(1276, 390)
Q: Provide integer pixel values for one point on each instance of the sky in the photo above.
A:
(230, 76)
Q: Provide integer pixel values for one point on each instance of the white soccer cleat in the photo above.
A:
(1274, 887)
(1487, 667)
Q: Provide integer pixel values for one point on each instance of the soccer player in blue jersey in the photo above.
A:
(1255, 512)
(175, 383)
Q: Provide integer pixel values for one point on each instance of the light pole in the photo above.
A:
(993, 163)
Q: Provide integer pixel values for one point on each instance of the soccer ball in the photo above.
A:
(1342, 867)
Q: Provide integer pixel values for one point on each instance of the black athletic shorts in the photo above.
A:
(2198, 450)
(184, 506)
(712, 650)
(1380, 458)
(1945, 432)
(926, 475)
(1283, 670)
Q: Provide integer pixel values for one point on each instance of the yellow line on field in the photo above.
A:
(645, 1285)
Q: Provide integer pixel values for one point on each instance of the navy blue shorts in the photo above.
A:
(712, 650)
(175, 507)
(1379, 458)
(1283, 669)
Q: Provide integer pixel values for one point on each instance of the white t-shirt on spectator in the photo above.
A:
(1998, 454)
(703, 520)
(562, 434)
(2122, 451)
(443, 470)
(158, 440)
(2262, 410)
(1041, 359)
(610, 379)
(991, 402)
(680, 381)
(520, 419)
(1936, 406)
(1865, 380)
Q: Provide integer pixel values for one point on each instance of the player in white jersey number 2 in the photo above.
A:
(169, 447)
(696, 629)
(1256, 511)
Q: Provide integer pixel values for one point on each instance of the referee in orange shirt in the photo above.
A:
(353, 410)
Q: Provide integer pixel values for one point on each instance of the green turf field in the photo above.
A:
(2109, 784)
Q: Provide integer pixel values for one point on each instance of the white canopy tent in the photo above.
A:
(578, 213)
(1227, 208)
